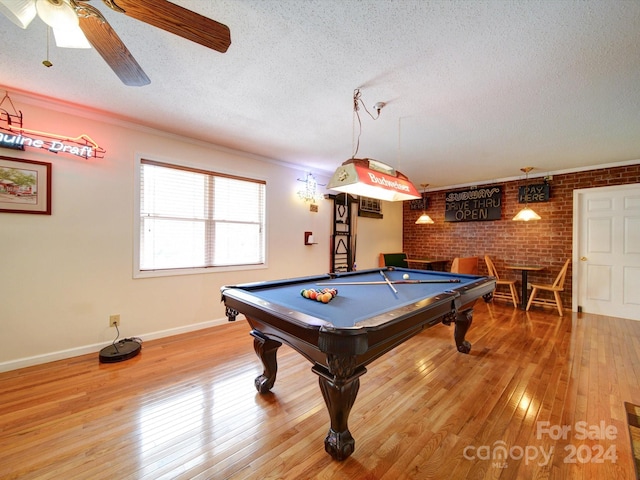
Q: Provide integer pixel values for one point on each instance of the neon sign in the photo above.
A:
(81, 146)
(14, 136)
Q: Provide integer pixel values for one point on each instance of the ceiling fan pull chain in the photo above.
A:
(46, 61)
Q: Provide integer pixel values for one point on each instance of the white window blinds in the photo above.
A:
(192, 218)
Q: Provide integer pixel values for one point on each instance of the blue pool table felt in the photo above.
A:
(357, 303)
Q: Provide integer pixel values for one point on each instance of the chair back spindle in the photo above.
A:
(513, 292)
(555, 289)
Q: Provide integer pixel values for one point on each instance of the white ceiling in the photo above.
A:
(475, 89)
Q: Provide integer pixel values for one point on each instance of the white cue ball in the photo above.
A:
(405, 276)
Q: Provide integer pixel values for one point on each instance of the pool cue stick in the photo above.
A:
(386, 279)
(395, 282)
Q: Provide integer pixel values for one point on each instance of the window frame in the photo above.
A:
(181, 165)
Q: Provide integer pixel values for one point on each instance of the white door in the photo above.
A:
(606, 263)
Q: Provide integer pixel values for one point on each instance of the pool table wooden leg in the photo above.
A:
(339, 388)
(266, 349)
(463, 322)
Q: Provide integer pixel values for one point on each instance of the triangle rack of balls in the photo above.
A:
(325, 295)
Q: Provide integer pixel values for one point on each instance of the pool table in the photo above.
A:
(367, 318)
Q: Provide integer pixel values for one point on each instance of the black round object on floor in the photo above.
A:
(120, 351)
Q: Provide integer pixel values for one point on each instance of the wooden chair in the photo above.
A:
(393, 260)
(513, 295)
(556, 288)
(465, 265)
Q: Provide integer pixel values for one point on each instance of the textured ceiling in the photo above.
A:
(474, 89)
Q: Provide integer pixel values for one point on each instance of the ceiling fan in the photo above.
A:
(78, 17)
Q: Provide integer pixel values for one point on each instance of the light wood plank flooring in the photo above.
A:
(186, 408)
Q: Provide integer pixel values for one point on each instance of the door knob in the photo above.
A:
(583, 259)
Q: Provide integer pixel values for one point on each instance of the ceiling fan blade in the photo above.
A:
(107, 43)
(176, 19)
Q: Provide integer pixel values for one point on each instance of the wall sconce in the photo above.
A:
(424, 219)
(526, 213)
(309, 192)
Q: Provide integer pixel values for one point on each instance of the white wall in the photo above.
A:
(378, 236)
(63, 275)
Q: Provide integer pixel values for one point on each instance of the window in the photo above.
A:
(192, 218)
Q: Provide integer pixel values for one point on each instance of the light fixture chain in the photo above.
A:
(355, 140)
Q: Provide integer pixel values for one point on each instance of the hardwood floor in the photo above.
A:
(186, 408)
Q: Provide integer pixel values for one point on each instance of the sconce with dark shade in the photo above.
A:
(424, 219)
(526, 213)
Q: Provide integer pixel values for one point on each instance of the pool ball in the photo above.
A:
(405, 276)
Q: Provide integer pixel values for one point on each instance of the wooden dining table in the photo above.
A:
(525, 269)
(429, 263)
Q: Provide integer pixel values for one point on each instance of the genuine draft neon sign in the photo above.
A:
(81, 146)
(13, 135)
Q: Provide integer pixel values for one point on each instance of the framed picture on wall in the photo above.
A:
(25, 186)
(370, 207)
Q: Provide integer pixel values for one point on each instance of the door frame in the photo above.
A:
(578, 196)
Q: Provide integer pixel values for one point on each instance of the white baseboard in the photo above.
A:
(96, 347)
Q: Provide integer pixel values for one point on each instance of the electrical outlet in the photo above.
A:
(114, 320)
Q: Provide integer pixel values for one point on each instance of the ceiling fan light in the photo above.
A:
(57, 13)
(525, 215)
(20, 12)
(71, 37)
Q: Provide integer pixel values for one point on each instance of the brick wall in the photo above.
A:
(545, 242)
